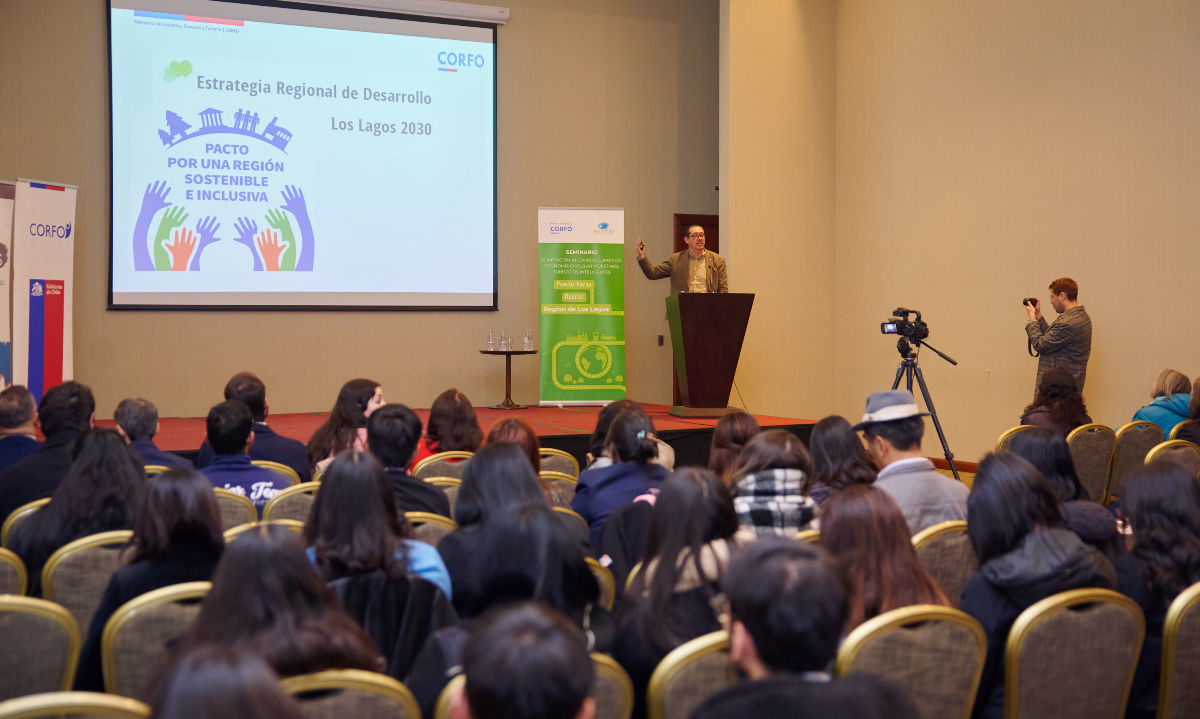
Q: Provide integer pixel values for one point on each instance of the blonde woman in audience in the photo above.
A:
(1170, 401)
(346, 427)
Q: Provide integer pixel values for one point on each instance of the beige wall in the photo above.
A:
(607, 104)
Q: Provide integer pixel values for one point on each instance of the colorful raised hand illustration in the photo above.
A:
(279, 220)
(246, 228)
(181, 250)
(269, 247)
(293, 202)
(207, 231)
(153, 200)
(171, 219)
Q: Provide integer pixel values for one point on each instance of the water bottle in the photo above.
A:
(503, 341)
(528, 340)
(491, 343)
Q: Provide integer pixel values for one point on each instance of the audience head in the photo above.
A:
(136, 418)
(631, 438)
(839, 458)
(221, 681)
(773, 449)
(598, 444)
(1049, 454)
(787, 608)
(67, 407)
(518, 432)
(731, 434)
(526, 662)
(893, 426)
(453, 425)
(356, 401)
(250, 391)
(393, 432)
(1170, 382)
(17, 409)
(1162, 502)
(497, 476)
(1008, 500)
(864, 531)
(229, 424)
(179, 509)
(1059, 394)
(355, 526)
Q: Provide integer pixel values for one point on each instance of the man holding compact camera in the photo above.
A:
(1067, 343)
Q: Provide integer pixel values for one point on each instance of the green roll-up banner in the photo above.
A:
(581, 290)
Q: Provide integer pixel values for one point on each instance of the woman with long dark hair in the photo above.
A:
(519, 432)
(1162, 502)
(346, 427)
(839, 459)
(864, 531)
(687, 552)
(768, 491)
(267, 598)
(1058, 405)
(220, 681)
(730, 435)
(176, 538)
(1025, 553)
(100, 493)
(452, 427)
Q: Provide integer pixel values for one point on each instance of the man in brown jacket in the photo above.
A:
(692, 270)
(1068, 342)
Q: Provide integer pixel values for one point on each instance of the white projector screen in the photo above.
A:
(295, 156)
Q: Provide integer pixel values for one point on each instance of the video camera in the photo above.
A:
(904, 324)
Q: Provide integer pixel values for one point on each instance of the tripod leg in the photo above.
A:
(936, 423)
(899, 373)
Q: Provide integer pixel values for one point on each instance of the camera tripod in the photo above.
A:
(907, 369)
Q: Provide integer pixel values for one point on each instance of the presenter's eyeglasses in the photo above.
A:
(694, 235)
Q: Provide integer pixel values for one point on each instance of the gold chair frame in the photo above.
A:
(1109, 493)
(10, 558)
(354, 680)
(1006, 436)
(18, 515)
(241, 500)
(557, 476)
(120, 536)
(278, 468)
(1089, 428)
(55, 612)
(675, 660)
(608, 585)
(1163, 448)
(431, 518)
(809, 535)
(440, 457)
(608, 667)
(68, 703)
(443, 481)
(154, 598)
(234, 532)
(927, 535)
(153, 470)
(1185, 423)
(632, 573)
(301, 488)
(568, 512)
(552, 452)
(445, 699)
(1175, 614)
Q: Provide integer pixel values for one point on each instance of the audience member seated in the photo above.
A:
(102, 491)
(787, 608)
(452, 426)
(217, 681)
(269, 446)
(137, 421)
(768, 491)
(1170, 401)
(1058, 405)
(839, 458)
(346, 427)
(687, 553)
(730, 436)
(1192, 432)
(497, 477)
(18, 425)
(393, 431)
(230, 435)
(176, 538)
(64, 413)
(1162, 502)
(597, 455)
(865, 533)
(893, 428)
(1025, 554)
(267, 599)
(600, 491)
(527, 662)
(1048, 452)
(525, 553)
(520, 433)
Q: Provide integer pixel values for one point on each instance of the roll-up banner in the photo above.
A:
(7, 193)
(43, 257)
(581, 293)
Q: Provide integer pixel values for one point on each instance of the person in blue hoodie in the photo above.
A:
(1170, 397)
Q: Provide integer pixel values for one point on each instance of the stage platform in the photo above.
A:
(566, 428)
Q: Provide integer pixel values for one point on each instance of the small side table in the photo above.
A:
(508, 355)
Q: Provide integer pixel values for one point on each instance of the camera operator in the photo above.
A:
(1068, 342)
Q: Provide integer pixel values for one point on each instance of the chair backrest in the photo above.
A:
(443, 464)
(1179, 451)
(234, 532)
(633, 572)
(1188, 424)
(1092, 447)
(575, 521)
(236, 509)
(1134, 442)
(564, 486)
(613, 690)
(934, 653)
(429, 527)
(153, 470)
(73, 704)
(137, 638)
(18, 515)
(13, 578)
(688, 675)
(809, 535)
(77, 575)
(41, 645)
(441, 710)
(278, 468)
(448, 485)
(346, 693)
(1178, 690)
(1073, 654)
(945, 551)
(608, 585)
(559, 461)
(1007, 435)
(292, 503)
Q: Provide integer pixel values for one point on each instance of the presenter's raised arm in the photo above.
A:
(641, 250)
(652, 273)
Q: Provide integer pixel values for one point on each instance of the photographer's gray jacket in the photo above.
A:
(1066, 344)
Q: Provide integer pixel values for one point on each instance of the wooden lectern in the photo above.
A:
(706, 339)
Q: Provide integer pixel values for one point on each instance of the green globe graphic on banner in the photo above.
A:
(583, 362)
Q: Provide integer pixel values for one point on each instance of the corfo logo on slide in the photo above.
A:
(37, 229)
(560, 229)
(454, 61)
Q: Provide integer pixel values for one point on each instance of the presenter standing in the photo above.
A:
(692, 270)
(1068, 342)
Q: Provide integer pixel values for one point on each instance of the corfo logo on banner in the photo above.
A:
(559, 229)
(36, 290)
(38, 229)
(454, 61)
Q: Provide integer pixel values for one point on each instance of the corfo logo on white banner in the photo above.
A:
(36, 290)
(37, 229)
(561, 228)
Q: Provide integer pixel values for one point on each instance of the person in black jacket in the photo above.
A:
(393, 431)
(65, 412)
(250, 391)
